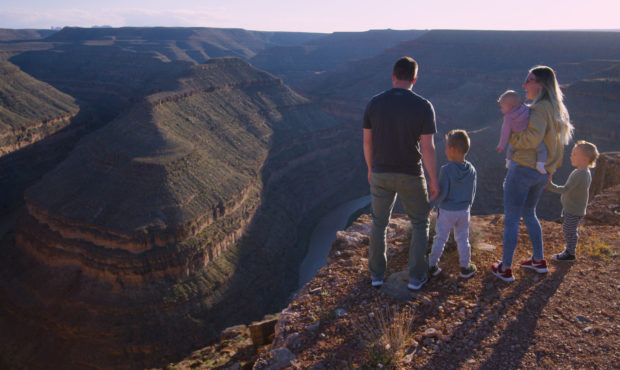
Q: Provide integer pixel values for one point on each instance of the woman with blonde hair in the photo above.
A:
(549, 123)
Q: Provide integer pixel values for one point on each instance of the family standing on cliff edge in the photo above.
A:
(399, 126)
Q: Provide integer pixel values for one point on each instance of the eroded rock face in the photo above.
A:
(606, 173)
(170, 223)
(30, 110)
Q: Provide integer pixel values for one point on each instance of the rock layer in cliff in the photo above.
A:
(30, 110)
(116, 252)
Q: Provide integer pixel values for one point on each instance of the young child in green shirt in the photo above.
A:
(575, 195)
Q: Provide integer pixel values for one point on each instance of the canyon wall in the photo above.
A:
(31, 110)
(180, 217)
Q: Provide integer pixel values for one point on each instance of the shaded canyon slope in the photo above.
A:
(178, 218)
(103, 71)
(463, 73)
(30, 110)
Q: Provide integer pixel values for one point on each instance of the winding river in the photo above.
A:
(324, 234)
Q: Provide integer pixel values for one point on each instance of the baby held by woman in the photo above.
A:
(516, 118)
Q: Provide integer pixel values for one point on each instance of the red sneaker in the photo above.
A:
(504, 273)
(539, 266)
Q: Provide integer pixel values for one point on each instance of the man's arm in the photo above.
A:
(427, 146)
(368, 150)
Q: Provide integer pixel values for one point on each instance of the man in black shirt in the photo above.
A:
(398, 137)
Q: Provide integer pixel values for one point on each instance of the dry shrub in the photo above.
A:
(386, 334)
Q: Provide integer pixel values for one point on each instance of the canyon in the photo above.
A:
(168, 181)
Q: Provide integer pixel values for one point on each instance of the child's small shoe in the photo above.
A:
(434, 270)
(564, 256)
(540, 167)
(469, 271)
(507, 163)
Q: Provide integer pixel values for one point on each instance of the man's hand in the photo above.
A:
(499, 149)
(368, 150)
(427, 146)
(433, 189)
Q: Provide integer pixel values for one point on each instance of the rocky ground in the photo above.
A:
(566, 318)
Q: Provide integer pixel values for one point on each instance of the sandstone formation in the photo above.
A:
(182, 216)
(30, 110)
(606, 173)
(604, 204)
(595, 106)
(104, 71)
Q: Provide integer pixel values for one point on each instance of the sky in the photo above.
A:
(315, 15)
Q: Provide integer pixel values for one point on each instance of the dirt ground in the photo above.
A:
(567, 318)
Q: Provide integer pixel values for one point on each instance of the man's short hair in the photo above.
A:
(405, 69)
(458, 139)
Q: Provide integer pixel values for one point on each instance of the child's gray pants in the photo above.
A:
(446, 220)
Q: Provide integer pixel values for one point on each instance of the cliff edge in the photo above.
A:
(563, 319)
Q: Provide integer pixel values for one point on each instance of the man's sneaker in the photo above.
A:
(376, 282)
(415, 284)
(434, 270)
(538, 266)
(469, 271)
(504, 273)
(564, 256)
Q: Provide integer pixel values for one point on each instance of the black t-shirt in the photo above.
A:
(397, 118)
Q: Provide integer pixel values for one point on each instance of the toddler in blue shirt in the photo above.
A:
(457, 189)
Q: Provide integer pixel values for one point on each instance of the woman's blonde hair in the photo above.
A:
(589, 150)
(550, 90)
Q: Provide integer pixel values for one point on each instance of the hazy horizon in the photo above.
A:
(320, 16)
(58, 28)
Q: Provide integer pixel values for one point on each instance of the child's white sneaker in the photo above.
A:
(507, 163)
(540, 167)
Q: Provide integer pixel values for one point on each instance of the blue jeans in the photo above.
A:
(523, 187)
(414, 196)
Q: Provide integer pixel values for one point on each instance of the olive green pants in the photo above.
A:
(412, 192)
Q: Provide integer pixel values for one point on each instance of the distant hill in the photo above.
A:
(7, 34)
(595, 107)
(195, 44)
(297, 63)
(30, 109)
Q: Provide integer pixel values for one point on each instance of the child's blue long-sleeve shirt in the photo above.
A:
(457, 186)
